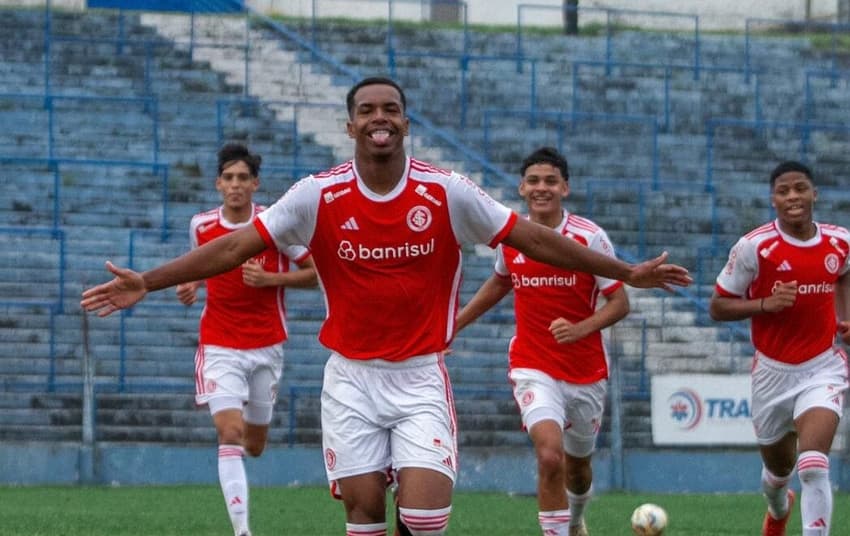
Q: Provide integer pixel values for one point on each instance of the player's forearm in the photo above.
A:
(614, 310)
(545, 245)
(730, 309)
(213, 258)
(301, 278)
(490, 293)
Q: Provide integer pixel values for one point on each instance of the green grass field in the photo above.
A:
(199, 511)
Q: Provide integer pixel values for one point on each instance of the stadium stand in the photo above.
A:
(115, 117)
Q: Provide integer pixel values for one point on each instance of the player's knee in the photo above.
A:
(422, 522)
(550, 460)
(230, 434)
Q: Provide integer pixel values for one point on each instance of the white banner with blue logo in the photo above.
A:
(702, 409)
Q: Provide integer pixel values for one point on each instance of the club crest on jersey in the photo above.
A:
(831, 262)
(419, 218)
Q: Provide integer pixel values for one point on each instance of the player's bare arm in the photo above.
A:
(730, 308)
(215, 257)
(254, 275)
(615, 309)
(545, 245)
(490, 293)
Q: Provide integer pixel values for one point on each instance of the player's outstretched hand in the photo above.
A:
(655, 273)
(126, 289)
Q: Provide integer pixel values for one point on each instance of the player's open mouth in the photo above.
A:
(380, 136)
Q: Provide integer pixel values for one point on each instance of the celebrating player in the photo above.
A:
(385, 232)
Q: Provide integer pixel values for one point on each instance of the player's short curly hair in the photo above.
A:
(236, 152)
(371, 81)
(546, 155)
(787, 167)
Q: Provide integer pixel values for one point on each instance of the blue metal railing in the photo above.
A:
(804, 131)
(56, 164)
(835, 30)
(562, 119)
(734, 331)
(523, 9)
(666, 79)
(150, 107)
(53, 307)
(809, 99)
(159, 238)
(53, 233)
(292, 113)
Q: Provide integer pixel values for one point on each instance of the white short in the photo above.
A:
(228, 378)
(577, 408)
(782, 392)
(379, 415)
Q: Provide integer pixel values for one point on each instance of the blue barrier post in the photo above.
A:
(709, 154)
(747, 61)
(390, 45)
(246, 89)
(609, 46)
(47, 47)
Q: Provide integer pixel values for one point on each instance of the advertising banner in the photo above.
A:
(702, 409)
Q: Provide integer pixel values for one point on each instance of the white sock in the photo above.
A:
(775, 489)
(234, 484)
(577, 505)
(816, 496)
(362, 529)
(554, 522)
(422, 522)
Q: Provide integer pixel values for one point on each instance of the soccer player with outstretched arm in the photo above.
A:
(385, 232)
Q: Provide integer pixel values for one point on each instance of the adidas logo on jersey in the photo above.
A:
(784, 266)
(350, 225)
(519, 259)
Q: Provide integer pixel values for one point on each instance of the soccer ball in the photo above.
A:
(649, 520)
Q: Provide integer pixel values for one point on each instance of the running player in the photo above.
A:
(239, 360)
(790, 277)
(558, 362)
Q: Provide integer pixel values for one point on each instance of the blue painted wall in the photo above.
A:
(505, 470)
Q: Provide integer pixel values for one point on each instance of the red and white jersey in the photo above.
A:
(767, 256)
(543, 292)
(236, 315)
(390, 265)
